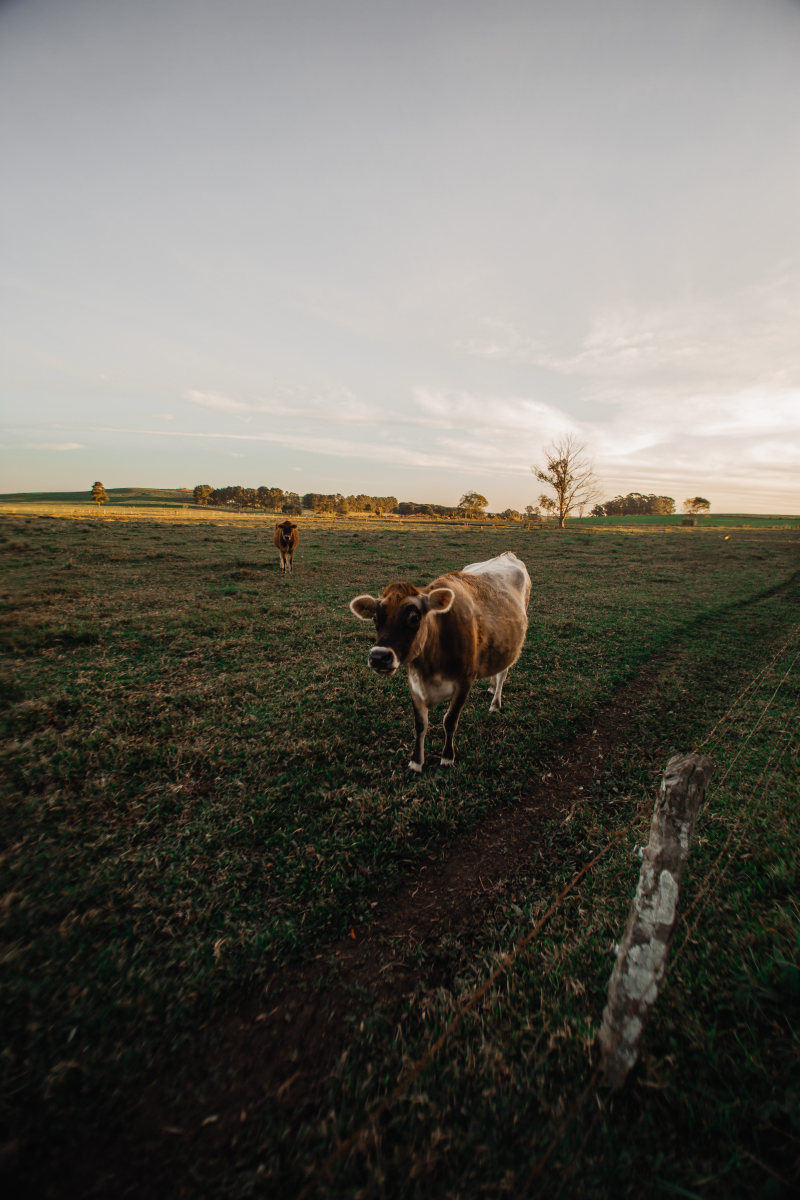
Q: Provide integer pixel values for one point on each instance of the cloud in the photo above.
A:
(335, 404)
(54, 446)
(216, 402)
(743, 339)
(704, 391)
(390, 452)
(495, 415)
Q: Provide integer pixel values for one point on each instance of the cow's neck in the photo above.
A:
(427, 648)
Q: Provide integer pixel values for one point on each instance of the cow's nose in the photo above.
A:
(381, 659)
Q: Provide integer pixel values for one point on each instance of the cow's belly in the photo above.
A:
(501, 649)
(432, 690)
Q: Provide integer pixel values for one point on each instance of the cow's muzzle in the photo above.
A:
(383, 661)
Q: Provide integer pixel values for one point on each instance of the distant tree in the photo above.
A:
(548, 504)
(511, 514)
(292, 508)
(473, 504)
(634, 504)
(341, 508)
(569, 473)
(696, 505)
(99, 493)
(202, 493)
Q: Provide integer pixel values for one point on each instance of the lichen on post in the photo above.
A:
(642, 957)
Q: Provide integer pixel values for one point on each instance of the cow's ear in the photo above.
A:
(364, 607)
(440, 600)
(294, 524)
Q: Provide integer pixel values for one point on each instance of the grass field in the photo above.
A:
(206, 794)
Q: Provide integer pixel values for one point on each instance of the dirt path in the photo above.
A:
(278, 1047)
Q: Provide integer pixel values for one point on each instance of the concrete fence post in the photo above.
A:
(642, 958)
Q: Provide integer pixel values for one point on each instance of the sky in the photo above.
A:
(401, 246)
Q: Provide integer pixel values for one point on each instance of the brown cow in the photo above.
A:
(286, 539)
(464, 626)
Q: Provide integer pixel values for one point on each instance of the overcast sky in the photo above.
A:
(398, 247)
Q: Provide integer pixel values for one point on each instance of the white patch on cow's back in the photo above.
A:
(506, 571)
(510, 568)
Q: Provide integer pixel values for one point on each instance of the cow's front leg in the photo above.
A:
(421, 727)
(451, 722)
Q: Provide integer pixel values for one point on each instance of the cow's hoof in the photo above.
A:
(446, 762)
(415, 766)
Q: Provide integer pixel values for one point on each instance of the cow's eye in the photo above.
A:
(413, 617)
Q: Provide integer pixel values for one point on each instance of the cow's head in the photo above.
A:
(400, 614)
(285, 530)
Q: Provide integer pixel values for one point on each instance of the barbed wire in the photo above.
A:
(720, 868)
(745, 744)
(609, 1050)
(767, 667)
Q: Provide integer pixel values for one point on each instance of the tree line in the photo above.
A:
(566, 471)
(275, 499)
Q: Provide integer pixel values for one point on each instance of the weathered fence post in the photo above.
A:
(642, 958)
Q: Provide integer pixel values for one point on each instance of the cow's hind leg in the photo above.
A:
(451, 723)
(496, 690)
(421, 727)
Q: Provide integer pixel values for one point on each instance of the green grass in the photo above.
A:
(202, 781)
(705, 521)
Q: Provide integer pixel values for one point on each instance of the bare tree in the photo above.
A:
(569, 473)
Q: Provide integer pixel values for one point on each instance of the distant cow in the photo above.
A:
(464, 626)
(286, 539)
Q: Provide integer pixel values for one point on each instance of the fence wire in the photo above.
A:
(746, 699)
(719, 868)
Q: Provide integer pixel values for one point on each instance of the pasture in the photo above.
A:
(233, 921)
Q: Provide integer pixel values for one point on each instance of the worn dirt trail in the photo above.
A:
(278, 1046)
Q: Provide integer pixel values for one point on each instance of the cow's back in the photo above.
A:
(506, 575)
(487, 624)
